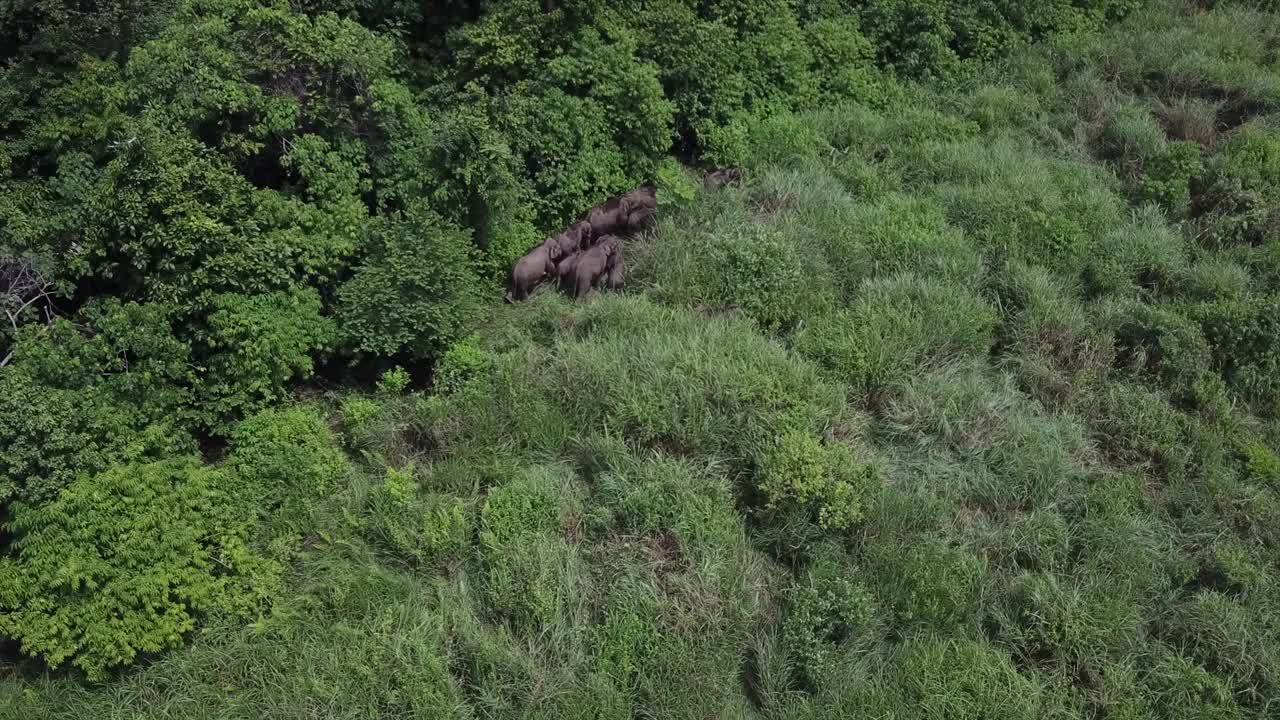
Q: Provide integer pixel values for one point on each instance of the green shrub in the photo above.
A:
(394, 382)
(827, 481)
(414, 292)
(1262, 465)
(529, 571)
(758, 270)
(1241, 187)
(823, 613)
(464, 361)
(49, 436)
(1243, 335)
(1080, 627)
(1229, 639)
(423, 528)
(285, 462)
(962, 679)
(1160, 342)
(256, 344)
(125, 562)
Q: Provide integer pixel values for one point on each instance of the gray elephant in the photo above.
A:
(532, 268)
(642, 204)
(722, 177)
(613, 280)
(594, 264)
(575, 237)
(565, 272)
(623, 213)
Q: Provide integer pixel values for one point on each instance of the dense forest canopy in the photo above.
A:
(964, 402)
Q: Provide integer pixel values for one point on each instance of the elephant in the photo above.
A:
(532, 268)
(594, 264)
(722, 177)
(617, 215)
(608, 217)
(642, 204)
(575, 237)
(565, 271)
(613, 280)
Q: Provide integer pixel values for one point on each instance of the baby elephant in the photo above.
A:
(593, 265)
(613, 280)
(720, 178)
(532, 268)
(574, 238)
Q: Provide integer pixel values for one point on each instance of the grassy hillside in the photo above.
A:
(965, 404)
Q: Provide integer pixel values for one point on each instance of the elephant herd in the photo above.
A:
(587, 254)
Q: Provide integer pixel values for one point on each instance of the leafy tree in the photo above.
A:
(414, 292)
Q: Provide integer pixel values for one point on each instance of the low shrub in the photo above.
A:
(422, 528)
(1078, 628)
(285, 462)
(827, 482)
(927, 583)
(126, 561)
(823, 614)
(961, 678)
(413, 292)
(530, 574)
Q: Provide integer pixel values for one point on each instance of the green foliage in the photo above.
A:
(421, 527)
(528, 569)
(394, 382)
(151, 546)
(414, 292)
(464, 361)
(894, 326)
(828, 482)
(962, 679)
(822, 614)
(285, 462)
(256, 344)
(928, 584)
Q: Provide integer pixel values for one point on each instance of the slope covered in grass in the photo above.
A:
(961, 406)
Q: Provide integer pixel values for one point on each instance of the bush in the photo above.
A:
(823, 613)
(423, 528)
(1240, 189)
(1078, 627)
(464, 361)
(125, 562)
(1161, 343)
(928, 584)
(414, 292)
(826, 482)
(529, 571)
(962, 679)
(49, 436)
(285, 462)
(763, 274)
(256, 344)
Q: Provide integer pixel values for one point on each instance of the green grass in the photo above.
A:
(938, 415)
